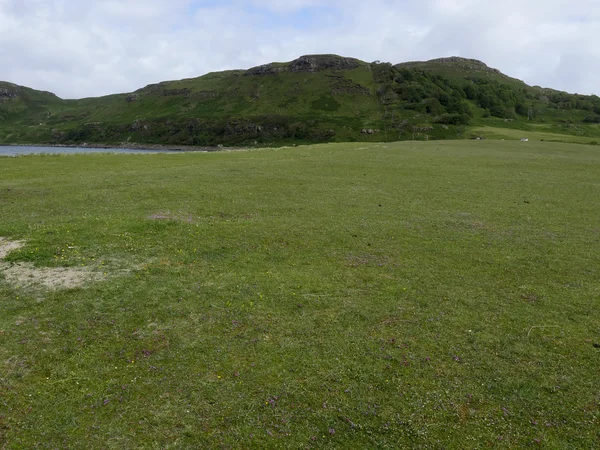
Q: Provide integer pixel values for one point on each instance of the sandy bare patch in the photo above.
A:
(7, 246)
(26, 275)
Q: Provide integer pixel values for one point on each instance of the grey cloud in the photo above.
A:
(81, 48)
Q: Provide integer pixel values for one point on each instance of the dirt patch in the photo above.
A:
(26, 275)
(7, 246)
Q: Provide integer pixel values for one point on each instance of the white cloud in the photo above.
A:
(81, 47)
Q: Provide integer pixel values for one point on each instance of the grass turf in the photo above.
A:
(425, 295)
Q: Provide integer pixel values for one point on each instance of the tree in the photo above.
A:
(521, 109)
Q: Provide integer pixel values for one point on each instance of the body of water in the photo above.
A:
(23, 150)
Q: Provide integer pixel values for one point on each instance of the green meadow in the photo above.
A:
(402, 295)
(533, 133)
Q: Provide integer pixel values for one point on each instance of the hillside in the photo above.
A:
(316, 98)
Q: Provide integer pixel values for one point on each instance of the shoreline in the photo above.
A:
(130, 146)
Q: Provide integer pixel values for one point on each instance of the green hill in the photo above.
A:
(316, 98)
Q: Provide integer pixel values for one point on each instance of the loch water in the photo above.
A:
(35, 150)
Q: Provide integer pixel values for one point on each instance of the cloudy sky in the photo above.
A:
(79, 48)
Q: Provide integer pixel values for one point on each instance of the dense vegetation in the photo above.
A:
(313, 99)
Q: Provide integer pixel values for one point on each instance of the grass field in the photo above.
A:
(406, 295)
(536, 133)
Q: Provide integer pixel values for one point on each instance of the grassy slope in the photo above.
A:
(425, 295)
(548, 123)
(29, 107)
(227, 108)
(532, 133)
(227, 96)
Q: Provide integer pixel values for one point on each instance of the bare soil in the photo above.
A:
(26, 275)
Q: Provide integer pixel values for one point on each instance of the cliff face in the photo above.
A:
(316, 63)
(308, 64)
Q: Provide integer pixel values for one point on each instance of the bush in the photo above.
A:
(452, 119)
(592, 119)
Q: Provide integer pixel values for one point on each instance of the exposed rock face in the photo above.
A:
(138, 125)
(267, 69)
(173, 92)
(309, 64)
(151, 88)
(316, 63)
(131, 98)
(6, 94)
(472, 64)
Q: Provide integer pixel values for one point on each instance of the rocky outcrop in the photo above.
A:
(206, 95)
(454, 61)
(160, 89)
(131, 98)
(471, 64)
(185, 92)
(316, 63)
(422, 128)
(242, 127)
(6, 94)
(266, 69)
(308, 64)
(149, 89)
(138, 125)
(57, 135)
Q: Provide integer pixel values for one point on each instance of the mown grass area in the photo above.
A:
(406, 295)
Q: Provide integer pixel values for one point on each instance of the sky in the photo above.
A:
(83, 48)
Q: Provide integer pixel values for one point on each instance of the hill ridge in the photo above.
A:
(313, 98)
(468, 63)
(311, 63)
